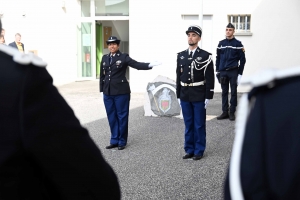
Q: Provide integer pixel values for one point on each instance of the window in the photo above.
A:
(190, 17)
(85, 66)
(112, 7)
(240, 22)
(85, 8)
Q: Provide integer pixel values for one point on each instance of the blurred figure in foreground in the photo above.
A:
(44, 151)
(2, 36)
(2, 40)
(3, 31)
(265, 160)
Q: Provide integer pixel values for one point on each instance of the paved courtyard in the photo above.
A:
(151, 166)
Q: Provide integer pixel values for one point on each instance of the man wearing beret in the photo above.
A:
(44, 151)
(116, 91)
(194, 89)
(230, 64)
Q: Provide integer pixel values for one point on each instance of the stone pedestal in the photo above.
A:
(161, 100)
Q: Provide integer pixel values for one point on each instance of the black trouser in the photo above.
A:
(229, 78)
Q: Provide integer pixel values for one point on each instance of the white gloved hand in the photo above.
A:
(239, 79)
(179, 102)
(206, 103)
(154, 63)
(101, 95)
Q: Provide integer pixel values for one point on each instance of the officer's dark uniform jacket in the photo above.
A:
(112, 76)
(265, 160)
(229, 53)
(44, 151)
(195, 77)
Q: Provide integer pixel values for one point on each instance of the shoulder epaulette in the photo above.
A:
(205, 52)
(120, 53)
(22, 58)
(182, 51)
(268, 76)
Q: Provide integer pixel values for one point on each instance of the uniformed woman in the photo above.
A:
(116, 90)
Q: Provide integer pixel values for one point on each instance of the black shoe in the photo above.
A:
(224, 115)
(121, 148)
(186, 156)
(231, 116)
(111, 146)
(197, 157)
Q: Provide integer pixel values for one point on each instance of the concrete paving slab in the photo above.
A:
(151, 166)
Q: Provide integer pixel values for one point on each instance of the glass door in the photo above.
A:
(94, 16)
(85, 64)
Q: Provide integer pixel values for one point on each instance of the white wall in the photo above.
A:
(275, 40)
(275, 28)
(47, 28)
(220, 9)
(157, 32)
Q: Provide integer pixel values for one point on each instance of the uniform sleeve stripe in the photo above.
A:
(230, 47)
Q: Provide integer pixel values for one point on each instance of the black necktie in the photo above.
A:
(191, 55)
(110, 59)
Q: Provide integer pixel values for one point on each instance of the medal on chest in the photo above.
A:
(118, 62)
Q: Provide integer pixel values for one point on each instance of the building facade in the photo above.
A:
(70, 34)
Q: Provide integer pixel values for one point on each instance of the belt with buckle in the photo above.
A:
(192, 84)
(231, 68)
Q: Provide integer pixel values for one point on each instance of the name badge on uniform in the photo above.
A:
(104, 63)
(181, 57)
(199, 58)
(118, 62)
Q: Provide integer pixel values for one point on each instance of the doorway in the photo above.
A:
(105, 29)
